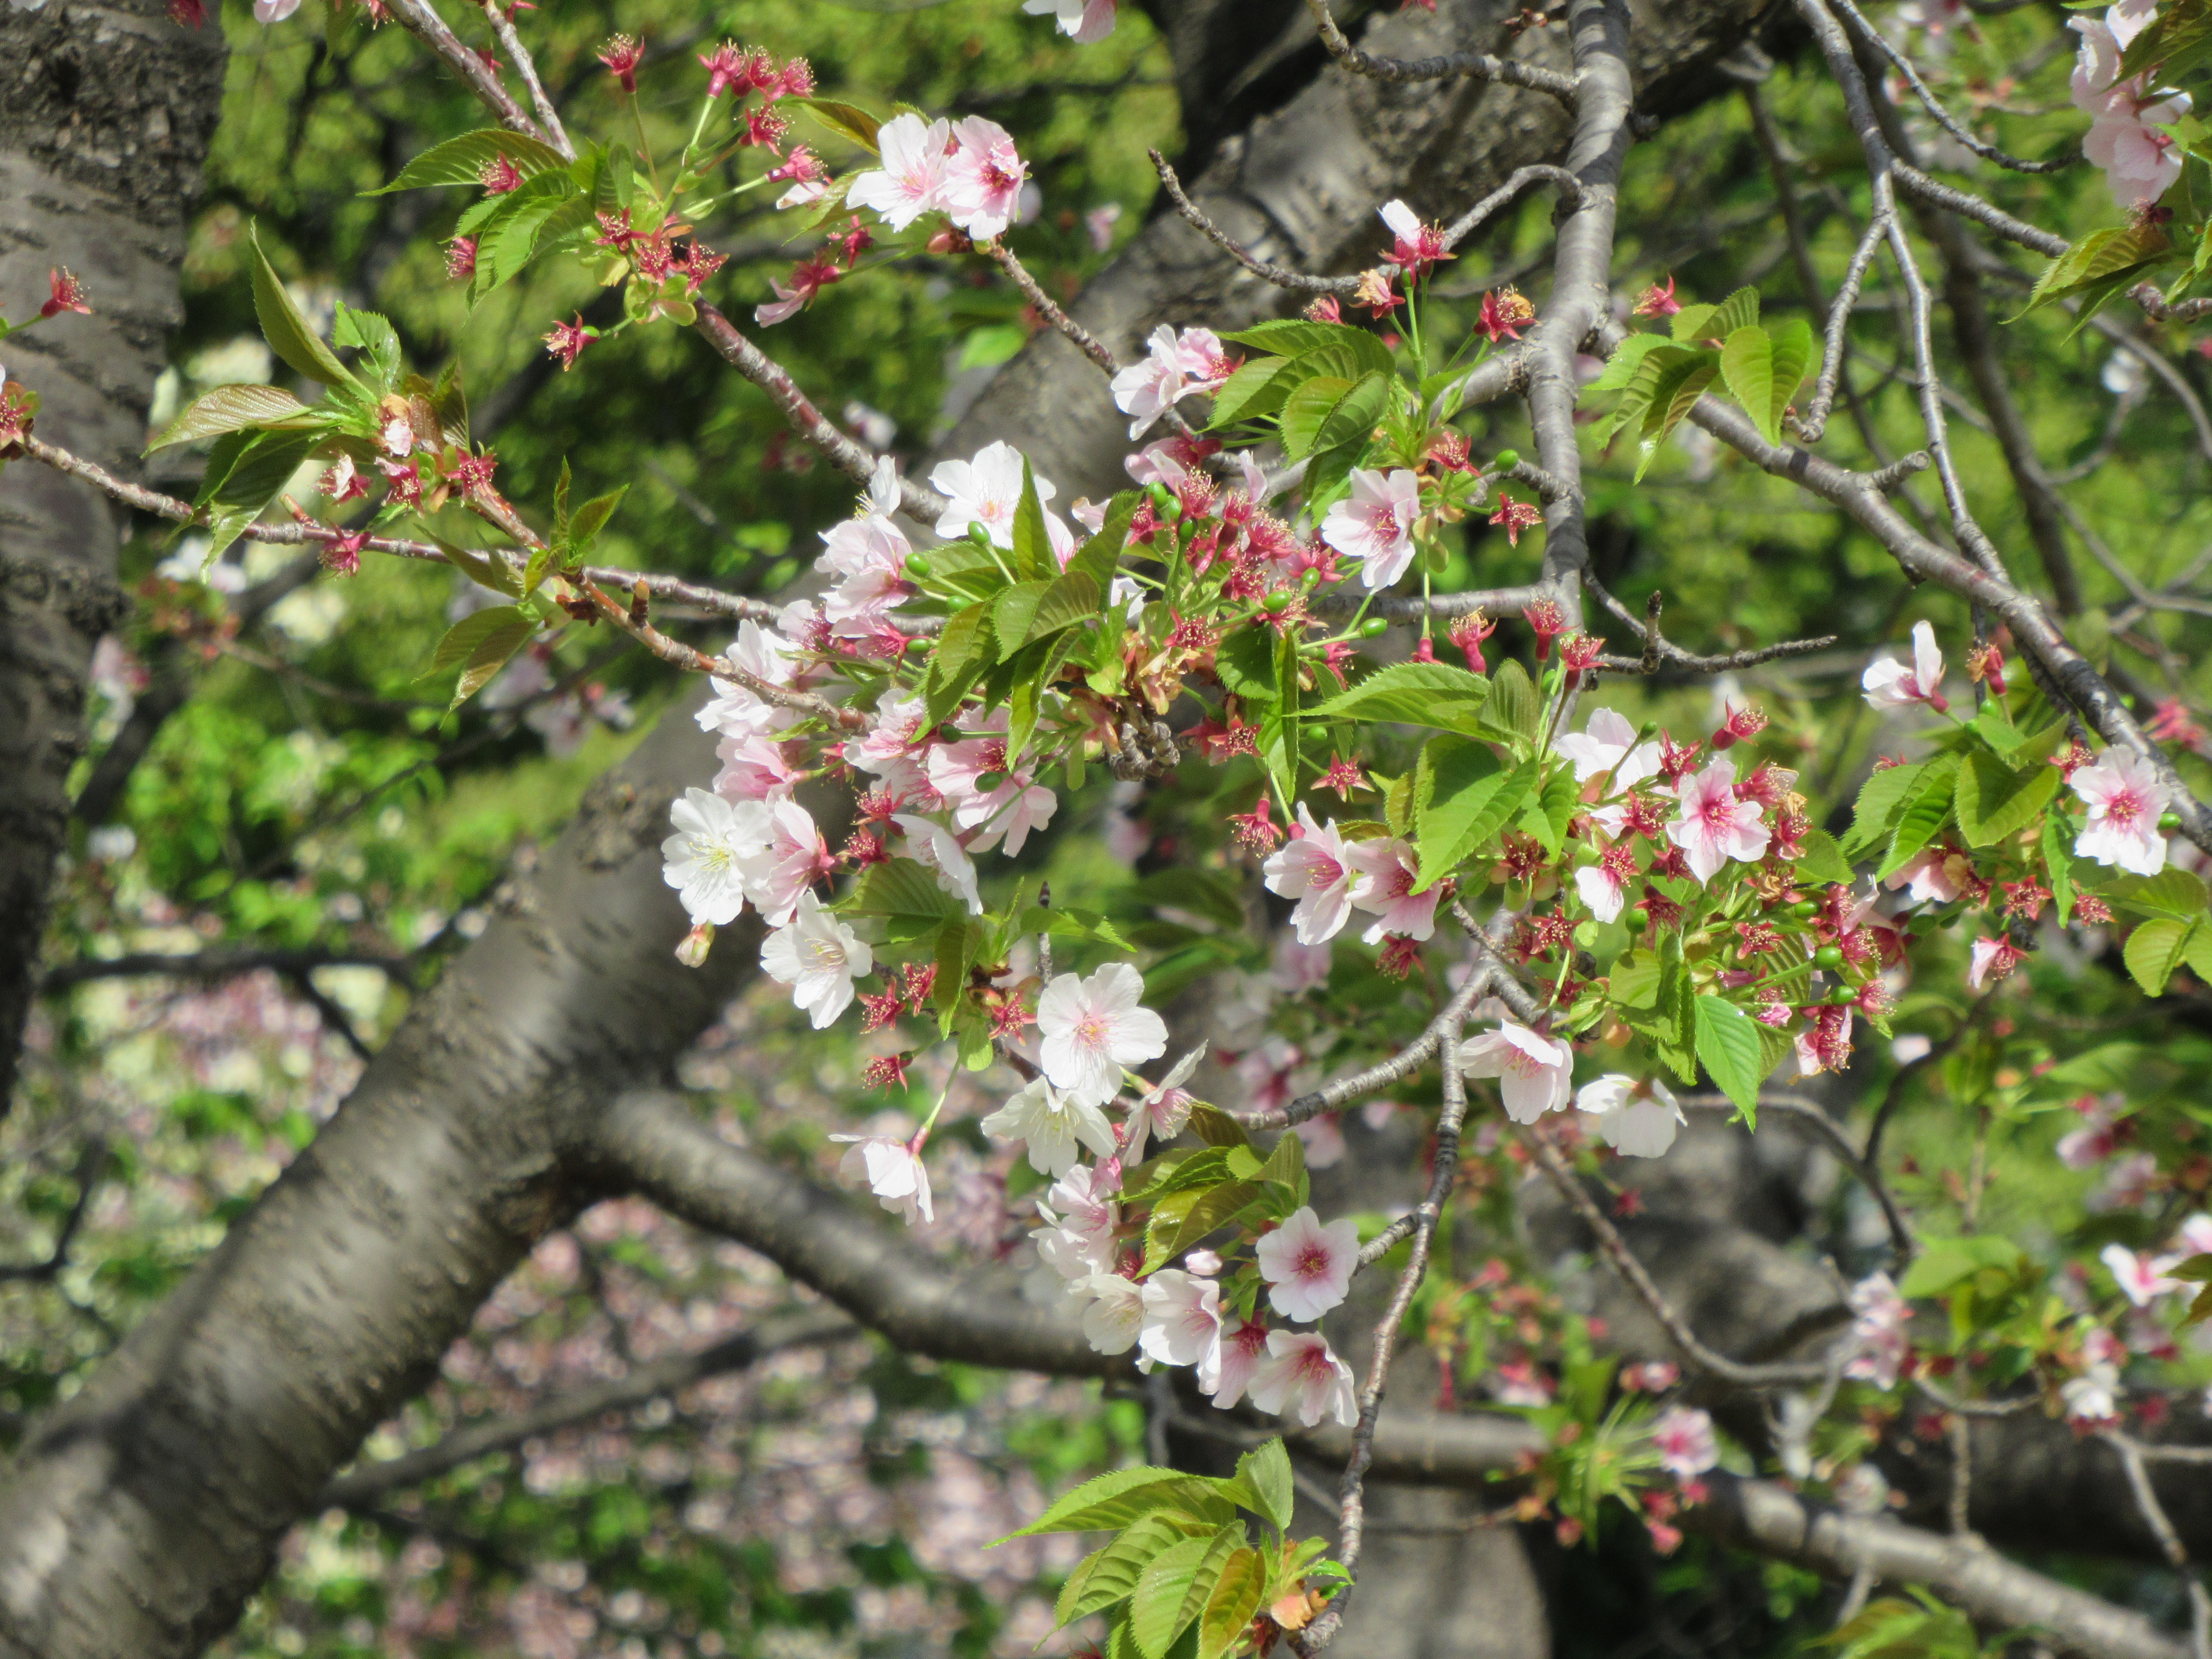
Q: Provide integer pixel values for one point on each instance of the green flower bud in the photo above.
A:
(1505, 460)
(1828, 959)
(1374, 628)
(917, 566)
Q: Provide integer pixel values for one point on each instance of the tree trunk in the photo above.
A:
(104, 116)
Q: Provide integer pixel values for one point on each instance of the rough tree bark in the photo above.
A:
(104, 116)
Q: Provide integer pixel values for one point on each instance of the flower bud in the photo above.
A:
(1374, 628)
(917, 566)
(692, 952)
(1506, 459)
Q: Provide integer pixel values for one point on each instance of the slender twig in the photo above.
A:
(1798, 1110)
(1479, 65)
(1914, 182)
(1281, 275)
(1659, 650)
(1086, 341)
(1949, 123)
(1403, 1064)
(1815, 420)
(89, 1163)
(502, 26)
(420, 18)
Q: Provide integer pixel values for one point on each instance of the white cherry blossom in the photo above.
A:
(1235, 1358)
(1090, 1029)
(1713, 826)
(911, 181)
(893, 1172)
(1607, 744)
(1183, 1318)
(1888, 683)
(791, 860)
(1052, 1125)
(1636, 1117)
(2124, 798)
(1535, 1074)
(2142, 1278)
(1081, 1215)
(737, 711)
(1308, 1267)
(1374, 524)
(1115, 1315)
(1300, 1377)
(819, 958)
(984, 490)
(938, 849)
(704, 860)
(1082, 21)
(1684, 1439)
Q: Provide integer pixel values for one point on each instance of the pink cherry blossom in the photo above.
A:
(1081, 1215)
(1235, 1358)
(1183, 1318)
(912, 180)
(1993, 959)
(2142, 1278)
(1684, 1440)
(1636, 1117)
(893, 1171)
(1878, 1332)
(1535, 1074)
(736, 710)
(753, 769)
(1374, 524)
(2094, 1142)
(1933, 876)
(1308, 1267)
(1314, 868)
(1600, 886)
(938, 849)
(1090, 1029)
(1269, 1073)
(1300, 1377)
(983, 178)
(1172, 366)
(2124, 798)
(1888, 683)
(1384, 873)
(1713, 826)
(794, 859)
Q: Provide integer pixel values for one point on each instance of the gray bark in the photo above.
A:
(104, 116)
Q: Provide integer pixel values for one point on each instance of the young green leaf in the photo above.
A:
(237, 408)
(462, 161)
(2156, 948)
(1994, 801)
(1728, 1043)
(286, 329)
(1463, 796)
(1436, 693)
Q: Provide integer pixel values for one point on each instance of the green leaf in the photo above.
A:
(1216, 1127)
(1881, 797)
(2178, 38)
(1110, 1574)
(1548, 813)
(1235, 1600)
(372, 335)
(1676, 390)
(1923, 815)
(484, 569)
(2155, 949)
(1945, 1263)
(591, 517)
(1635, 401)
(481, 643)
(1099, 558)
(462, 161)
(1306, 408)
(1266, 1472)
(1033, 559)
(1514, 708)
(1462, 796)
(1293, 337)
(1994, 801)
(1173, 1589)
(904, 893)
(1126, 1495)
(244, 472)
(963, 652)
(2170, 892)
(1436, 693)
(285, 329)
(1763, 370)
(1728, 1043)
(1256, 389)
(2058, 865)
(1628, 357)
(236, 409)
(1287, 1162)
(1351, 423)
(2098, 257)
(1246, 662)
(1186, 1216)
(847, 120)
(1011, 612)
(1819, 858)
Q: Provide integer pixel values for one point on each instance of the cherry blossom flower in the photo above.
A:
(1090, 1029)
(939, 850)
(2142, 1278)
(1607, 744)
(622, 55)
(2196, 1234)
(1888, 683)
(1234, 1361)
(819, 958)
(985, 490)
(1115, 1315)
(1173, 365)
(2124, 798)
(1993, 959)
(1636, 1117)
(64, 291)
(1684, 1440)
(1374, 524)
(1384, 873)
(1082, 21)
(2140, 163)
(1713, 826)
(983, 178)
(1308, 1267)
(1081, 1215)
(1418, 246)
(2092, 1398)
(566, 341)
(808, 278)
(1052, 1124)
(1183, 1318)
(704, 860)
(1878, 1332)
(738, 711)
(1316, 869)
(1300, 1377)
(753, 769)
(866, 553)
(1603, 886)
(911, 181)
(274, 11)
(793, 858)
(893, 1171)
(2094, 1142)
(1933, 876)
(1535, 1074)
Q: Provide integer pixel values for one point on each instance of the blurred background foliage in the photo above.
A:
(313, 795)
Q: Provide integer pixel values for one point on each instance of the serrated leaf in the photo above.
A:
(1186, 1216)
(1173, 1590)
(1099, 558)
(902, 891)
(1763, 370)
(1032, 549)
(963, 652)
(2170, 892)
(1676, 392)
(372, 335)
(462, 161)
(462, 639)
(2058, 867)
(1234, 1602)
(1257, 388)
(1994, 801)
(1881, 797)
(1436, 693)
(485, 570)
(1728, 1043)
(591, 517)
(286, 329)
(236, 409)
(1127, 1495)
(1820, 860)
(1266, 1472)
(1293, 338)
(1246, 662)
(2101, 255)
(1923, 815)
(1627, 357)
(1351, 423)
(848, 121)
(1011, 612)
(1514, 708)
(1110, 1574)
(1463, 795)
(2155, 949)
(1306, 408)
